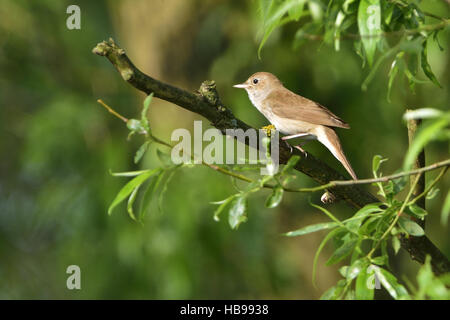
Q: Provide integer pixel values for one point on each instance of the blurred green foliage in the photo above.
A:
(58, 147)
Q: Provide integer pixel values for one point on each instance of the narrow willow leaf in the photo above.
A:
(445, 210)
(131, 201)
(354, 223)
(238, 211)
(392, 74)
(135, 125)
(363, 291)
(296, 12)
(418, 211)
(356, 268)
(147, 102)
(328, 213)
(275, 198)
(396, 244)
(265, 6)
(316, 10)
(380, 261)
(376, 161)
(144, 120)
(432, 193)
(334, 292)
(327, 238)
(274, 20)
(411, 227)
(339, 19)
(311, 228)
(423, 113)
(377, 64)
(342, 252)
(222, 205)
(426, 67)
(128, 173)
(129, 187)
(424, 135)
(390, 283)
(149, 193)
(141, 151)
(171, 173)
(369, 24)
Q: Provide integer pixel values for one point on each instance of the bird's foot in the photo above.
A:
(268, 129)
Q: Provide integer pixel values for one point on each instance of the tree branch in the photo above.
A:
(206, 102)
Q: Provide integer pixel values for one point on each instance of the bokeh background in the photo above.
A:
(57, 147)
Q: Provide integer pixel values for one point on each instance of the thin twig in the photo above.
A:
(112, 111)
(431, 185)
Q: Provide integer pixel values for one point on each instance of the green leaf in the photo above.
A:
(135, 126)
(275, 198)
(362, 290)
(311, 228)
(392, 74)
(147, 102)
(274, 20)
(130, 186)
(238, 210)
(128, 173)
(315, 9)
(432, 193)
(445, 210)
(423, 113)
(334, 292)
(165, 186)
(339, 19)
(354, 223)
(141, 151)
(131, 201)
(376, 161)
(327, 238)
(149, 193)
(222, 205)
(417, 211)
(342, 252)
(296, 12)
(328, 213)
(144, 120)
(426, 67)
(396, 244)
(424, 135)
(369, 24)
(356, 268)
(411, 227)
(381, 260)
(390, 283)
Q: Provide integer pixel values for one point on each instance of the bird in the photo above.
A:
(296, 116)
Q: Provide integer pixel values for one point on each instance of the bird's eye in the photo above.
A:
(255, 81)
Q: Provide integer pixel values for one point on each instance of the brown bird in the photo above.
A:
(295, 115)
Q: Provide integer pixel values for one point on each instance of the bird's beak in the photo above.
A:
(241, 85)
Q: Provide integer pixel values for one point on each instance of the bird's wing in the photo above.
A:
(286, 104)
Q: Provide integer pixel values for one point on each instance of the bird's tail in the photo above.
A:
(329, 138)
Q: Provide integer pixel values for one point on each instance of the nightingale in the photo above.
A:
(294, 115)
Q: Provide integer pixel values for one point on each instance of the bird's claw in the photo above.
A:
(268, 129)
